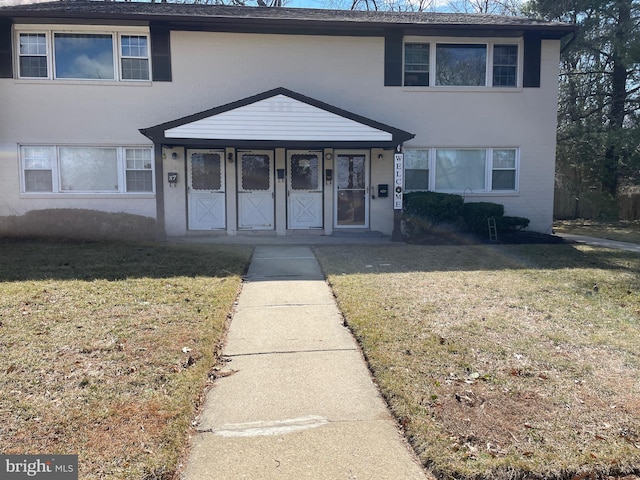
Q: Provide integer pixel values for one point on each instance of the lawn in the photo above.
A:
(503, 361)
(622, 231)
(106, 349)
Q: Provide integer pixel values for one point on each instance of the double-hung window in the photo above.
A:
(458, 64)
(74, 169)
(461, 170)
(83, 55)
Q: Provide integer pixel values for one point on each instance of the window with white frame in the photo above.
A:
(83, 55)
(416, 170)
(73, 169)
(461, 170)
(456, 64)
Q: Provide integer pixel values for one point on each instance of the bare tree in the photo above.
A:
(495, 7)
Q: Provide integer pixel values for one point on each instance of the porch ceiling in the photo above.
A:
(278, 117)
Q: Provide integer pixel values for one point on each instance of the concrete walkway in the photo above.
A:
(601, 242)
(298, 401)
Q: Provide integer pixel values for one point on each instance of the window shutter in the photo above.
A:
(6, 64)
(161, 53)
(393, 59)
(532, 59)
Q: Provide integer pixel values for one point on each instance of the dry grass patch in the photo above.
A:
(502, 362)
(105, 349)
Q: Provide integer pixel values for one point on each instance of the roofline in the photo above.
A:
(279, 20)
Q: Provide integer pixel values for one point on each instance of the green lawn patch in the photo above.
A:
(106, 349)
(501, 362)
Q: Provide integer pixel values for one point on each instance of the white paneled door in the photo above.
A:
(304, 190)
(255, 190)
(205, 189)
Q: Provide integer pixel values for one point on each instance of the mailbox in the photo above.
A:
(383, 190)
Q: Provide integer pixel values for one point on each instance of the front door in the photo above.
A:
(205, 189)
(352, 190)
(255, 190)
(304, 190)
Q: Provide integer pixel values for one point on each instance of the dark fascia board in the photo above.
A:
(275, 20)
(156, 133)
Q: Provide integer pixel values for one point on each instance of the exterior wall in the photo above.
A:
(212, 69)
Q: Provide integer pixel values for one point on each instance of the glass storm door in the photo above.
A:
(351, 190)
(255, 190)
(205, 189)
(304, 190)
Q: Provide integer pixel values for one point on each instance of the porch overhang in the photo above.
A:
(277, 118)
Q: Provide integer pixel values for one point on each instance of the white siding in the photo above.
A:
(278, 118)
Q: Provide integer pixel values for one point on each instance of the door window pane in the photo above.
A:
(459, 170)
(461, 64)
(84, 56)
(351, 172)
(416, 64)
(88, 169)
(206, 171)
(256, 172)
(304, 172)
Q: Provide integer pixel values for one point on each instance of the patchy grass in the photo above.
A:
(622, 231)
(105, 349)
(502, 362)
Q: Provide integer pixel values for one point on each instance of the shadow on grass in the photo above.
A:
(26, 259)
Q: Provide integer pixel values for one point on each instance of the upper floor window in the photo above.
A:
(416, 64)
(71, 169)
(460, 64)
(90, 55)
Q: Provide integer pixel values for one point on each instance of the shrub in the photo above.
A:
(475, 215)
(433, 207)
(511, 224)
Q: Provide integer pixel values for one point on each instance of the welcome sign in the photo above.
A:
(398, 180)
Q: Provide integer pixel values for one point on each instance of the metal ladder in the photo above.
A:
(493, 231)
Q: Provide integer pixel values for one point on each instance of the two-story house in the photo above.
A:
(220, 120)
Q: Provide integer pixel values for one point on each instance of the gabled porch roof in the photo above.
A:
(277, 118)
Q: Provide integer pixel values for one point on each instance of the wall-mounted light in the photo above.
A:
(280, 173)
(328, 176)
(174, 155)
(230, 157)
(380, 156)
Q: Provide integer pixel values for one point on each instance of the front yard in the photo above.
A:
(105, 349)
(502, 362)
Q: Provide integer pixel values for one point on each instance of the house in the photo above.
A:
(221, 120)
